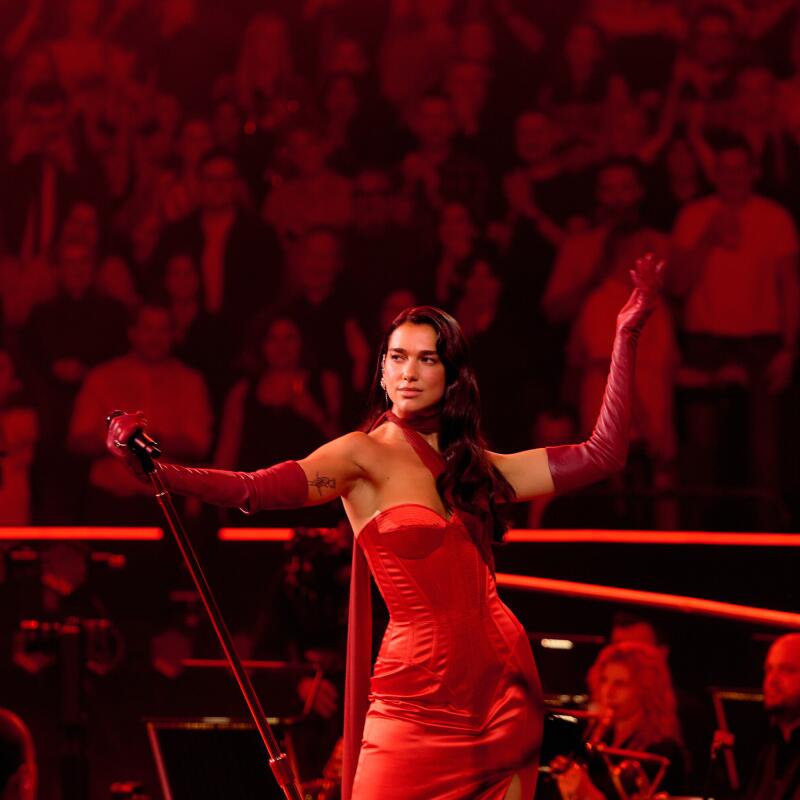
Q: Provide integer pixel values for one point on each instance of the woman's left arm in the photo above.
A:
(533, 473)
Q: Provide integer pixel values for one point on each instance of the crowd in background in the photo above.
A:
(209, 211)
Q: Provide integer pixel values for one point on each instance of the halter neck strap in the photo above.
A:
(430, 458)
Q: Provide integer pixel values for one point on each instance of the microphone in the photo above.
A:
(139, 442)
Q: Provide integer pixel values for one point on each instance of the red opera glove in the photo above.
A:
(283, 486)
(606, 450)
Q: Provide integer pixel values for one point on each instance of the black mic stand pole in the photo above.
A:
(278, 761)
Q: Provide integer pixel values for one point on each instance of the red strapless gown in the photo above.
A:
(455, 705)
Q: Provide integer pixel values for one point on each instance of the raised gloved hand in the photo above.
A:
(120, 430)
(283, 486)
(606, 450)
(648, 280)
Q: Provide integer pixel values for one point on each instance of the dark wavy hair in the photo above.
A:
(469, 482)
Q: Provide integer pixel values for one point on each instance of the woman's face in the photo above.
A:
(582, 47)
(195, 141)
(341, 99)
(680, 159)
(618, 692)
(482, 286)
(535, 137)
(714, 41)
(282, 345)
(306, 152)
(412, 370)
(181, 280)
(347, 56)
(456, 231)
(82, 224)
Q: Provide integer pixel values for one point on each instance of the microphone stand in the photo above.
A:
(278, 761)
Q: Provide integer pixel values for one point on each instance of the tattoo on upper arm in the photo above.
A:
(323, 482)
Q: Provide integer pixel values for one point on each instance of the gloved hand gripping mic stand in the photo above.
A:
(146, 450)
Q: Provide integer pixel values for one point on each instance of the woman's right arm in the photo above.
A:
(329, 472)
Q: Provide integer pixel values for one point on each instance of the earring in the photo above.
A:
(386, 394)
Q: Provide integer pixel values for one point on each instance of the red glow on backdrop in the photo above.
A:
(256, 534)
(81, 533)
(559, 536)
(655, 537)
(686, 605)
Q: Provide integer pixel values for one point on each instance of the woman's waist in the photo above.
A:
(462, 682)
(437, 641)
(446, 613)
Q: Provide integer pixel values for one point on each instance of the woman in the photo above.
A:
(455, 707)
(585, 90)
(280, 406)
(203, 339)
(631, 686)
(268, 88)
(18, 435)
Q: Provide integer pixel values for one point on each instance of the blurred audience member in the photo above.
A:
(419, 42)
(735, 266)
(467, 88)
(584, 89)
(202, 339)
(194, 36)
(756, 118)
(341, 104)
(18, 434)
(438, 172)
(499, 354)
(59, 344)
(705, 71)
(139, 217)
(84, 55)
(268, 89)
(328, 318)
(241, 263)
(589, 354)
(586, 257)
(675, 180)
(151, 379)
(34, 66)
(279, 411)
(181, 194)
(312, 195)
(43, 175)
(115, 281)
(543, 201)
(643, 36)
(777, 772)
(456, 253)
(380, 252)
